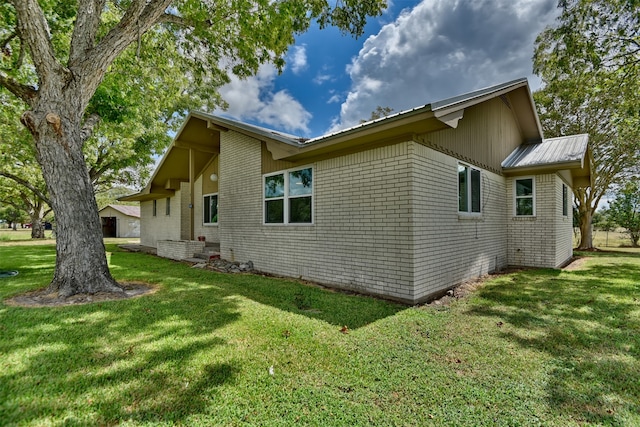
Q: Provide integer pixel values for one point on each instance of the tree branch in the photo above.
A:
(34, 32)
(140, 16)
(86, 28)
(7, 40)
(22, 91)
(27, 184)
(88, 126)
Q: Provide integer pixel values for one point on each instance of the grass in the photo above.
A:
(535, 347)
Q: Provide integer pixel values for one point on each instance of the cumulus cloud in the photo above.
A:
(253, 99)
(442, 48)
(298, 59)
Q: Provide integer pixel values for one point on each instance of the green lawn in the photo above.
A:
(536, 347)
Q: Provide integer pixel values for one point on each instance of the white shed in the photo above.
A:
(120, 221)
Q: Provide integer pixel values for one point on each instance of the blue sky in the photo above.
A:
(417, 52)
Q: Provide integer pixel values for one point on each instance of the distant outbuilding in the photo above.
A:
(120, 221)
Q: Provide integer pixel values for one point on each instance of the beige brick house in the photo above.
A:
(404, 207)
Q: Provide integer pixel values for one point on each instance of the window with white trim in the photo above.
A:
(525, 196)
(210, 209)
(469, 189)
(565, 200)
(288, 197)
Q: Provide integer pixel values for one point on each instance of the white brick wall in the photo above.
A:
(161, 226)
(179, 249)
(450, 247)
(386, 221)
(543, 240)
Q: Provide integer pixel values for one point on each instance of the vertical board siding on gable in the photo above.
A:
(485, 136)
(451, 248)
(361, 236)
(161, 226)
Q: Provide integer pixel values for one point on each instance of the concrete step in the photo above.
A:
(207, 255)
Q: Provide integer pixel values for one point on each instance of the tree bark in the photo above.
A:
(81, 263)
(586, 232)
(37, 227)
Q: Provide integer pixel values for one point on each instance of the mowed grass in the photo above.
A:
(535, 347)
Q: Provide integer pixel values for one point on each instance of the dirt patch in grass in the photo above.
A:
(465, 289)
(41, 298)
(577, 263)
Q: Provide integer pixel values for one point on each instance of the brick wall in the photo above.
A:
(161, 226)
(450, 247)
(361, 237)
(179, 249)
(543, 240)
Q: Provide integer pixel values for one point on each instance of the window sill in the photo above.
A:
(470, 217)
(271, 224)
(210, 224)
(524, 218)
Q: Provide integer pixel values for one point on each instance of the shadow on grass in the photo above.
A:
(159, 358)
(334, 307)
(587, 321)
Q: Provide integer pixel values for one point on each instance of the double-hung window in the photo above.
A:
(288, 197)
(469, 196)
(525, 192)
(210, 209)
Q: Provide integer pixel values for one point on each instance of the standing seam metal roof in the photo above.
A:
(563, 149)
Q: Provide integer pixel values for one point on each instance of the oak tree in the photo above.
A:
(56, 54)
(590, 66)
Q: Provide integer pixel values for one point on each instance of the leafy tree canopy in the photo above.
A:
(132, 64)
(590, 65)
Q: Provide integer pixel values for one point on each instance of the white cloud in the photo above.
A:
(253, 99)
(298, 59)
(443, 48)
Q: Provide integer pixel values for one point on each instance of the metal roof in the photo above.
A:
(564, 149)
(133, 211)
(447, 103)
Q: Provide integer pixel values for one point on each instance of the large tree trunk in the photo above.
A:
(586, 232)
(586, 201)
(37, 227)
(81, 263)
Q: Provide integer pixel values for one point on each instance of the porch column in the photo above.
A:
(192, 178)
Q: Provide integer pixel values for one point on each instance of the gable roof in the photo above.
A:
(201, 132)
(133, 211)
(430, 117)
